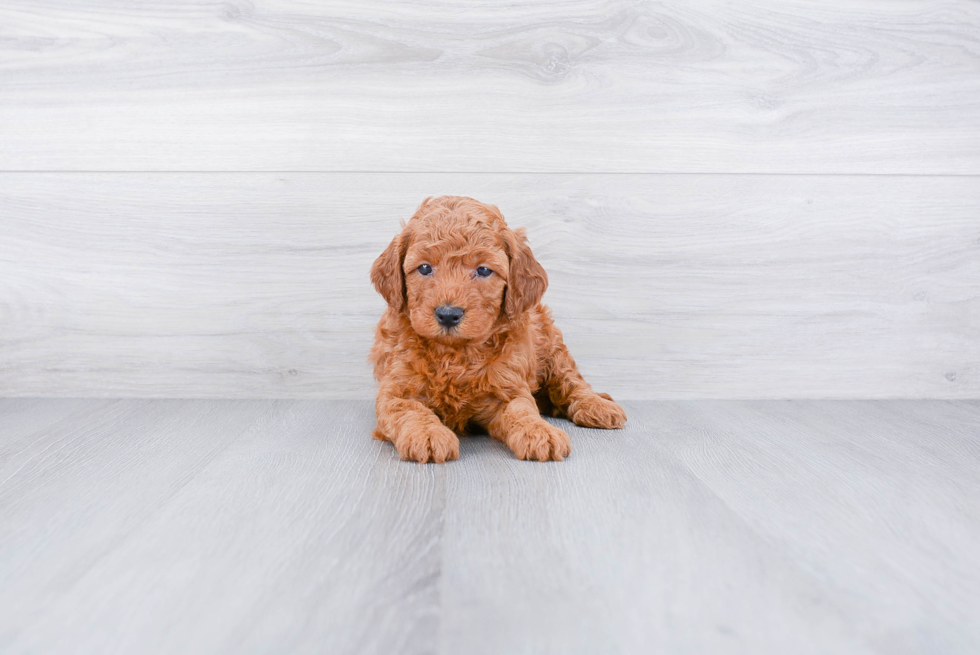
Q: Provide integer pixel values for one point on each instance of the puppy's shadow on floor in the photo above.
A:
(477, 442)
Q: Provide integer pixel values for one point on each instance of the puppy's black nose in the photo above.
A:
(449, 316)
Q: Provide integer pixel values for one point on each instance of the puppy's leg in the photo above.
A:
(415, 430)
(571, 394)
(519, 425)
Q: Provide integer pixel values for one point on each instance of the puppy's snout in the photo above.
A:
(449, 316)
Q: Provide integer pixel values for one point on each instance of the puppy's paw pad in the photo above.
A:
(541, 441)
(597, 411)
(436, 444)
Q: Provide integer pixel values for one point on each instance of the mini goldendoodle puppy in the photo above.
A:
(465, 341)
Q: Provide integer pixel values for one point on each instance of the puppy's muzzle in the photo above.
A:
(449, 316)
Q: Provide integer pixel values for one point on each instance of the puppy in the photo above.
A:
(466, 343)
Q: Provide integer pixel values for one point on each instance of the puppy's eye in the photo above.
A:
(425, 269)
(483, 271)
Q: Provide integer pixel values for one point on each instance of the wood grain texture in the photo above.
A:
(705, 526)
(756, 86)
(256, 285)
(218, 526)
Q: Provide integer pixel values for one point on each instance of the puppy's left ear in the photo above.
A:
(387, 275)
(526, 279)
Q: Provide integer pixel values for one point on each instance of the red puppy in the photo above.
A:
(465, 340)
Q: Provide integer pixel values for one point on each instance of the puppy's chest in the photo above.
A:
(456, 389)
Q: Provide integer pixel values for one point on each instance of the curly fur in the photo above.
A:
(499, 368)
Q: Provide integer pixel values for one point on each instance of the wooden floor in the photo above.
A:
(142, 526)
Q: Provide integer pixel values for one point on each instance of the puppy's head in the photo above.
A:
(458, 270)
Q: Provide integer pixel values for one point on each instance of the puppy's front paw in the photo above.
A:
(539, 440)
(597, 410)
(435, 443)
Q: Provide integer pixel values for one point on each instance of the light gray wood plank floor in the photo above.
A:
(242, 526)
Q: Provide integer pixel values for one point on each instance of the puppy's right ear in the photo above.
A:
(526, 281)
(387, 275)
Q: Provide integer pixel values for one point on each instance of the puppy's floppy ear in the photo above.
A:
(526, 279)
(387, 275)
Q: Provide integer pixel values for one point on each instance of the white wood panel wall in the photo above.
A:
(256, 284)
(754, 199)
(864, 86)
